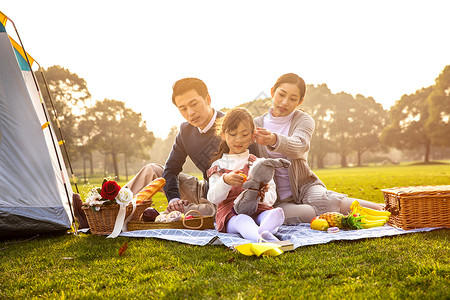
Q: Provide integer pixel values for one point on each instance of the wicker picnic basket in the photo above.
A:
(418, 206)
(199, 222)
(102, 222)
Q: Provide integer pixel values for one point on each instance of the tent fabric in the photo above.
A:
(34, 192)
(59, 170)
(3, 19)
(20, 55)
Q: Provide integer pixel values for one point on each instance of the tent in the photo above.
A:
(35, 190)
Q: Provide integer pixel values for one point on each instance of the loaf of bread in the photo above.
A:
(151, 189)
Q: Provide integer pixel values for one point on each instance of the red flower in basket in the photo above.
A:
(110, 189)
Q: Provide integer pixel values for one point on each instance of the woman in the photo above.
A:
(286, 131)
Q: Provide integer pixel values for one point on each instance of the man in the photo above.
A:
(196, 139)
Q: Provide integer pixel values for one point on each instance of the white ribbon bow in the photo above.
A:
(124, 197)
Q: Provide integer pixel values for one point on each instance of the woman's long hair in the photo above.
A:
(292, 78)
(229, 123)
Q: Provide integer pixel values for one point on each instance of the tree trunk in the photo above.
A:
(427, 151)
(126, 166)
(91, 162)
(360, 153)
(104, 167)
(84, 169)
(343, 160)
(115, 165)
(321, 161)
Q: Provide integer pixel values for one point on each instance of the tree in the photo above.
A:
(258, 107)
(138, 138)
(162, 147)
(439, 107)
(118, 129)
(318, 103)
(70, 94)
(370, 119)
(408, 119)
(342, 124)
(85, 143)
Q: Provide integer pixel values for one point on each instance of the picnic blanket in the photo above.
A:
(299, 234)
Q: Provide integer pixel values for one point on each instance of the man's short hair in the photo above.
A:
(183, 85)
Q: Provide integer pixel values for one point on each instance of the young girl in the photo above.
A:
(225, 182)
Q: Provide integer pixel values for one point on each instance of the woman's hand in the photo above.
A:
(234, 178)
(265, 137)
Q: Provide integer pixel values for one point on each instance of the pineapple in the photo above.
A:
(336, 219)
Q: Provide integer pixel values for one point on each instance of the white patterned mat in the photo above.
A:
(300, 235)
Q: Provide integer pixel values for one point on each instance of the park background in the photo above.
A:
(111, 139)
(371, 70)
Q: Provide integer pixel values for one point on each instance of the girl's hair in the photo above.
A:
(292, 78)
(229, 123)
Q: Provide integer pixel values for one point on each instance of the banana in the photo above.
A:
(374, 212)
(370, 224)
(372, 221)
(357, 208)
(375, 218)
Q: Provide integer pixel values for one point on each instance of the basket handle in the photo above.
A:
(394, 209)
(193, 227)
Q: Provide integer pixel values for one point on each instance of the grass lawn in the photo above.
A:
(412, 266)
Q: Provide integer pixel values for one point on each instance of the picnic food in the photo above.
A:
(149, 214)
(161, 218)
(365, 223)
(369, 217)
(335, 219)
(174, 216)
(316, 217)
(333, 230)
(170, 217)
(243, 176)
(374, 218)
(147, 192)
(319, 224)
(357, 208)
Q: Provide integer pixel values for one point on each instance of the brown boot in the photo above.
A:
(80, 216)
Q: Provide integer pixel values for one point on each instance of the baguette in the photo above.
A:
(151, 189)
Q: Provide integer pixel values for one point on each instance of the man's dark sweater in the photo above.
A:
(200, 147)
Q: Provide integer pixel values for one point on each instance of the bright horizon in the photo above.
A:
(135, 52)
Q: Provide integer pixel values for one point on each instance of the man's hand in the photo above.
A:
(177, 205)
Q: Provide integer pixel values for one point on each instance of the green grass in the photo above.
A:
(367, 182)
(415, 266)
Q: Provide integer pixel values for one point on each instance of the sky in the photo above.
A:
(134, 50)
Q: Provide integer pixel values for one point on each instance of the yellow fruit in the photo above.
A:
(357, 208)
(243, 176)
(338, 220)
(370, 224)
(319, 224)
(374, 212)
(375, 218)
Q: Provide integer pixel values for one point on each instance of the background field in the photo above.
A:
(87, 266)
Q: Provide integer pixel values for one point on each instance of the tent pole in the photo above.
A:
(59, 128)
(47, 119)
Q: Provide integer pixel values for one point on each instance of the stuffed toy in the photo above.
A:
(260, 174)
